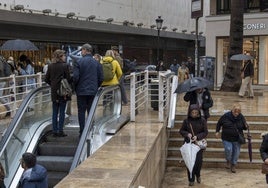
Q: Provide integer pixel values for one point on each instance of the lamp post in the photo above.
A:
(159, 22)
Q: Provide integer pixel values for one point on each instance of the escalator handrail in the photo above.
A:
(89, 124)
(16, 119)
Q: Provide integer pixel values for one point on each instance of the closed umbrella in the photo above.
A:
(192, 84)
(18, 45)
(188, 152)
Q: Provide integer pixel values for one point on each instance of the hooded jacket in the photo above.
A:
(264, 147)
(199, 125)
(35, 177)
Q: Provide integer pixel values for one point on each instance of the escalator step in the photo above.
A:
(55, 163)
(57, 149)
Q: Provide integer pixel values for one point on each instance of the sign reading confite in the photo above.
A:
(255, 26)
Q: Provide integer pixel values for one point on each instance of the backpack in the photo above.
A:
(108, 73)
(65, 89)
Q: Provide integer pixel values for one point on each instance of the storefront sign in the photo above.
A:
(255, 26)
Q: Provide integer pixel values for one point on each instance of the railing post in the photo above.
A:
(132, 96)
(147, 89)
(160, 97)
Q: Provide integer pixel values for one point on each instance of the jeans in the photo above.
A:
(84, 103)
(232, 151)
(58, 108)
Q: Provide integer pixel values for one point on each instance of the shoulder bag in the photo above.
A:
(241, 138)
(243, 71)
(201, 143)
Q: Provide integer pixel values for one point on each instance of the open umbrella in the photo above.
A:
(192, 84)
(240, 57)
(188, 153)
(18, 45)
(249, 145)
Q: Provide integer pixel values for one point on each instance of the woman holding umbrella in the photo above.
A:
(194, 128)
(232, 124)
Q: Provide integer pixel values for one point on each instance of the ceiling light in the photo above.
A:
(109, 20)
(140, 24)
(18, 7)
(47, 11)
(174, 29)
(91, 17)
(70, 15)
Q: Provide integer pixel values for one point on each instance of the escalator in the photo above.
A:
(30, 131)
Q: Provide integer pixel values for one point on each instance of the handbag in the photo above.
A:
(241, 138)
(264, 168)
(201, 143)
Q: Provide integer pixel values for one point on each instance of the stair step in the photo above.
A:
(57, 149)
(55, 163)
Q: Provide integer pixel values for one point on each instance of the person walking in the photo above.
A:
(264, 151)
(183, 72)
(174, 67)
(122, 78)
(232, 124)
(203, 98)
(191, 66)
(34, 175)
(248, 72)
(87, 78)
(57, 70)
(194, 127)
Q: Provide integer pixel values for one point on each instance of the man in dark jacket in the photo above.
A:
(87, 78)
(34, 175)
(201, 97)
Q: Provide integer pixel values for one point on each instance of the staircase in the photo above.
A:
(213, 157)
(56, 153)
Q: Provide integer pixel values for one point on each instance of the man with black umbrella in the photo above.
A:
(202, 97)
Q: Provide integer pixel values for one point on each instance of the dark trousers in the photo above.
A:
(123, 90)
(58, 108)
(84, 103)
(197, 166)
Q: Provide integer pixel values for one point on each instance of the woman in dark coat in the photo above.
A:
(57, 70)
(231, 123)
(198, 131)
(264, 151)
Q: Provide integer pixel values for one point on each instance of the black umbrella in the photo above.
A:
(193, 84)
(249, 145)
(240, 57)
(18, 45)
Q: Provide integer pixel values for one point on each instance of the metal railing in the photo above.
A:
(150, 87)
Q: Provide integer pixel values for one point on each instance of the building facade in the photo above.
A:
(130, 24)
(255, 37)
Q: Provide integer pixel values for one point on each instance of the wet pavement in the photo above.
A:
(176, 177)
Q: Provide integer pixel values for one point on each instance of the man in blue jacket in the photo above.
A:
(34, 175)
(87, 78)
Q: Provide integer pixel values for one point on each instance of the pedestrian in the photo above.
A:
(57, 70)
(97, 57)
(203, 98)
(110, 57)
(248, 74)
(174, 67)
(2, 176)
(194, 128)
(122, 78)
(87, 78)
(48, 62)
(34, 175)
(232, 124)
(183, 72)
(191, 66)
(264, 150)
(160, 66)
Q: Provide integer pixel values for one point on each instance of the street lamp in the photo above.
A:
(159, 22)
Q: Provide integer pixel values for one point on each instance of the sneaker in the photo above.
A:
(62, 134)
(198, 179)
(191, 183)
